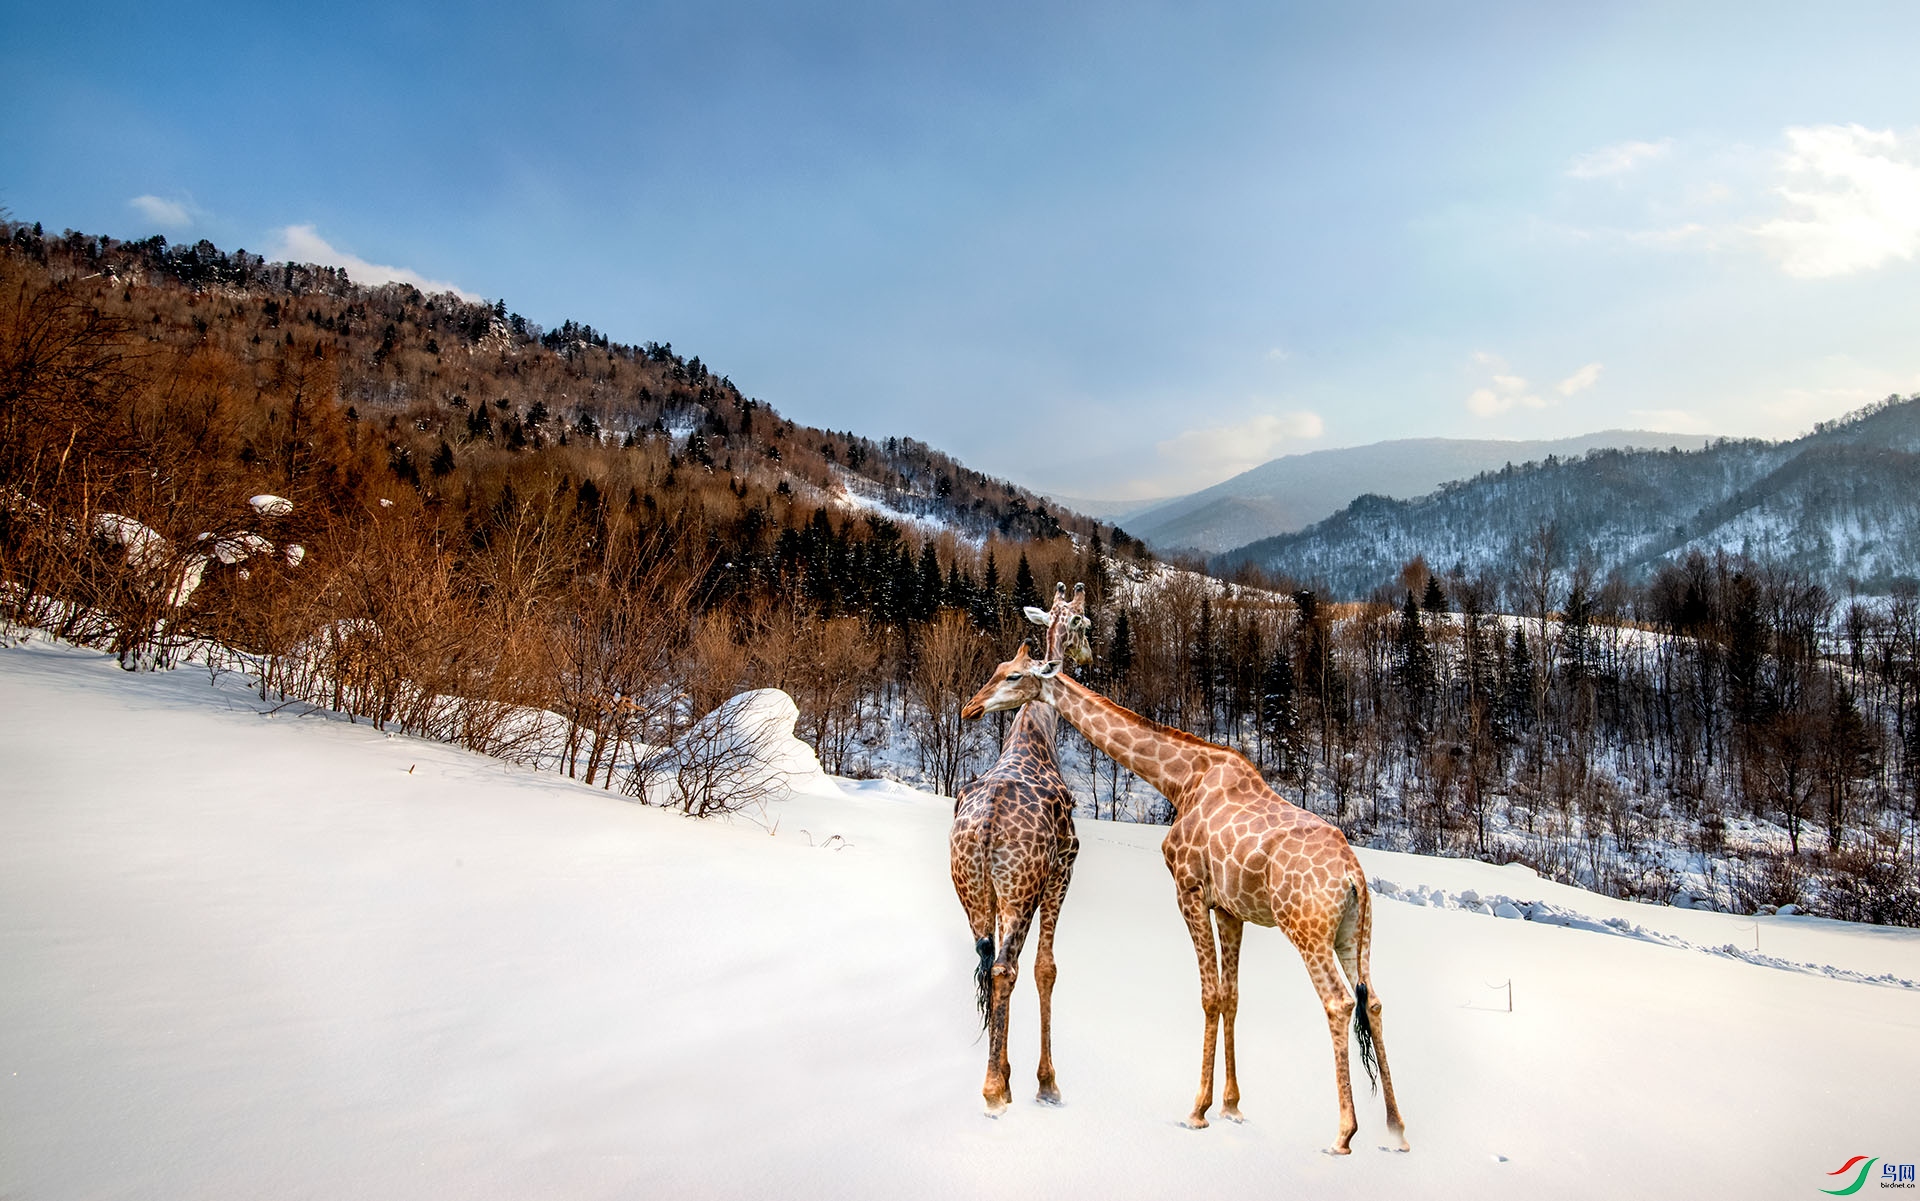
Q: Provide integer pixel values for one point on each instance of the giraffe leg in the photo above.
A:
(1396, 1127)
(1043, 977)
(1350, 942)
(1324, 970)
(1231, 928)
(1006, 972)
(1194, 909)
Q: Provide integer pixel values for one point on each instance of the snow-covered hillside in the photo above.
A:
(254, 954)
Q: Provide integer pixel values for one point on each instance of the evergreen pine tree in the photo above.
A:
(1413, 666)
(903, 586)
(1576, 628)
(1279, 717)
(1203, 664)
(988, 600)
(1025, 593)
(1120, 655)
(1516, 698)
(928, 591)
(1094, 574)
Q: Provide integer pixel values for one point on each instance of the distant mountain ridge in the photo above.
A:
(1294, 491)
(1841, 503)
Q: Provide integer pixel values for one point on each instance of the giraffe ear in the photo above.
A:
(1047, 670)
(1038, 617)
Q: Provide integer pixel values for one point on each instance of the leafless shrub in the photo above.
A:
(951, 661)
(728, 761)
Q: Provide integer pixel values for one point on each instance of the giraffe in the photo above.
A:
(1013, 846)
(1239, 853)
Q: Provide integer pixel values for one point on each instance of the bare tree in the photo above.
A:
(728, 761)
(951, 665)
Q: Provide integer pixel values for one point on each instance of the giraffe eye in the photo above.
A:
(1013, 675)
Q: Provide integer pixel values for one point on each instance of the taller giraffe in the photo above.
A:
(1239, 852)
(1013, 847)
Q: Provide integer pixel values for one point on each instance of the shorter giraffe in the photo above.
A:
(1013, 847)
(1238, 853)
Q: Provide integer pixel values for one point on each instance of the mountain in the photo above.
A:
(1293, 491)
(1107, 510)
(1841, 504)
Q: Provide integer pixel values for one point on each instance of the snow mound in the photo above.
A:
(1552, 915)
(146, 547)
(237, 548)
(754, 732)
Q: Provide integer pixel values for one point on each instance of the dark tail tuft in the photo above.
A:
(983, 978)
(1363, 1035)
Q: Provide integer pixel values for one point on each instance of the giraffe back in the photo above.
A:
(1259, 856)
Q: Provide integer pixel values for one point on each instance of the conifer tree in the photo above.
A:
(1025, 593)
(989, 600)
(1413, 667)
(1516, 699)
(1279, 718)
(927, 589)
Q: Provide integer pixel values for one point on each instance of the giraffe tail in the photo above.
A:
(983, 977)
(1363, 1036)
(1351, 942)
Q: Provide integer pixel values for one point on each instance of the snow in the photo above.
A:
(250, 954)
(855, 493)
(268, 505)
(237, 548)
(146, 547)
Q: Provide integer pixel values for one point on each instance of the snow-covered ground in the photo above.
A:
(247, 954)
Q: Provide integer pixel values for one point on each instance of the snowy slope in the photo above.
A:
(255, 955)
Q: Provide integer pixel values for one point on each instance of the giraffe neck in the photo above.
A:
(1168, 759)
(1034, 727)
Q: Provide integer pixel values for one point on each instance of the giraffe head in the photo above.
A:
(1067, 624)
(1014, 683)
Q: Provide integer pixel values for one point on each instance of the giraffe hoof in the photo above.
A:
(1195, 1122)
(1337, 1149)
(1232, 1114)
(1049, 1095)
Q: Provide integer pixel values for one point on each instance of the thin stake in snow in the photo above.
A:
(1238, 853)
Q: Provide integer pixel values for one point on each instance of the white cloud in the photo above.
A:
(1669, 421)
(1503, 392)
(1673, 235)
(1278, 354)
(1855, 193)
(1506, 390)
(1222, 450)
(1617, 159)
(169, 213)
(302, 244)
(1580, 380)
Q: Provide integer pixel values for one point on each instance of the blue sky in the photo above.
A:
(1106, 250)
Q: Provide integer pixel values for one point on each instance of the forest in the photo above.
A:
(439, 517)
